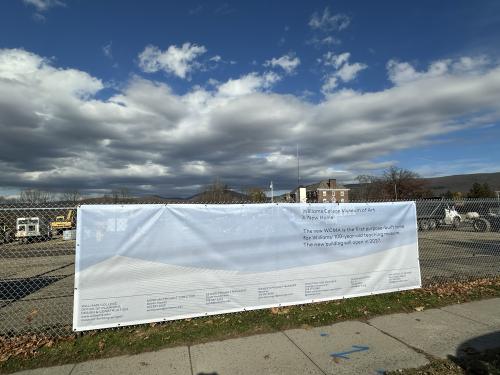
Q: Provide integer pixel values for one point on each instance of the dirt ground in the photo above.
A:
(36, 280)
(36, 285)
(458, 254)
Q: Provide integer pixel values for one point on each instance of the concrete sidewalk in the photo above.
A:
(384, 343)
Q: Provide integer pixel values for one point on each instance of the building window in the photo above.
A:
(342, 200)
(342, 193)
(324, 193)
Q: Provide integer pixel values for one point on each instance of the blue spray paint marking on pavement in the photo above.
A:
(356, 348)
(380, 371)
(323, 334)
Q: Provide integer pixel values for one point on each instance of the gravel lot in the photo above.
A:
(36, 280)
(458, 254)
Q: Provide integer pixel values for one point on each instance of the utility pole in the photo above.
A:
(298, 167)
(272, 193)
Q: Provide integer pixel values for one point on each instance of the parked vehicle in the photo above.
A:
(63, 223)
(494, 218)
(490, 220)
(30, 229)
(432, 214)
(6, 234)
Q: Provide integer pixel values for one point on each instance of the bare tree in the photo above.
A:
(400, 183)
(369, 188)
(36, 196)
(395, 183)
(256, 194)
(120, 194)
(71, 196)
(217, 192)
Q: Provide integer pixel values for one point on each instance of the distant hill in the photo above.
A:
(462, 182)
(226, 196)
(141, 199)
(454, 183)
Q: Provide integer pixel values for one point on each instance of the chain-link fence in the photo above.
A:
(457, 240)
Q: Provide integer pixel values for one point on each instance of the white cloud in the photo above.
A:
(344, 71)
(57, 133)
(179, 61)
(348, 72)
(329, 40)
(403, 72)
(326, 41)
(330, 83)
(329, 22)
(467, 63)
(107, 50)
(288, 63)
(43, 5)
(331, 59)
(25, 68)
(248, 84)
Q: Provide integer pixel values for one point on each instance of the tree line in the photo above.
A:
(73, 196)
(393, 184)
(399, 183)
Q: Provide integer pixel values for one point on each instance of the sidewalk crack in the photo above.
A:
(303, 352)
(428, 356)
(190, 360)
(462, 316)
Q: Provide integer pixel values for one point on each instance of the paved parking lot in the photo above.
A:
(36, 280)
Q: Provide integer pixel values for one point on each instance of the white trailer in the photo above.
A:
(30, 229)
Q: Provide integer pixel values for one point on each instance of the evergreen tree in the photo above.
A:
(480, 191)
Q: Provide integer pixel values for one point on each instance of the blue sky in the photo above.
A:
(163, 97)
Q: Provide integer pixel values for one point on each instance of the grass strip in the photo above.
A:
(28, 352)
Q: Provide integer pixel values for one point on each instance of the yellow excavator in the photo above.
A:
(62, 223)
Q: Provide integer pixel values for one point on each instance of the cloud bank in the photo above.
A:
(56, 131)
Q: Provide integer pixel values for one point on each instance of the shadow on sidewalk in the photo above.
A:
(480, 355)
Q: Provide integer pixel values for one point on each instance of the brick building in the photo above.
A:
(325, 191)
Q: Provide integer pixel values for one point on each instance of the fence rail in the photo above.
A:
(458, 240)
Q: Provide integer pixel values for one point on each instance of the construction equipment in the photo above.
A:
(489, 220)
(6, 234)
(432, 214)
(30, 229)
(62, 223)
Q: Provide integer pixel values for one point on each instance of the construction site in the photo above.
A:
(37, 255)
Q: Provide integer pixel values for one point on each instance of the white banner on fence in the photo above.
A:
(147, 263)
